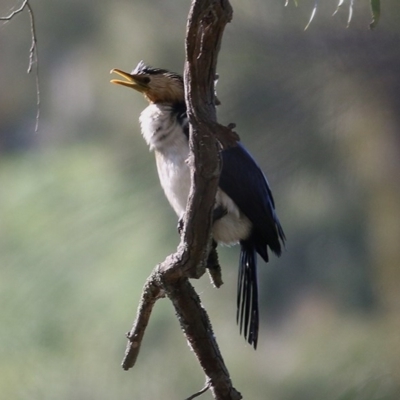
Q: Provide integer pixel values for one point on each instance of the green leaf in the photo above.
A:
(350, 12)
(312, 16)
(376, 13)
(338, 6)
(294, 1)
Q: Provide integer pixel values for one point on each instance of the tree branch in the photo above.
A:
(33, 57)
(206, 23)
(151, 293)
(15, 12)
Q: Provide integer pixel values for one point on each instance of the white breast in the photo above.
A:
(175, 178)
(165, 136)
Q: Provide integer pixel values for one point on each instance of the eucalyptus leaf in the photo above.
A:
(350, 13)
(338, 6)
(294, 1)
(312, 16)
(376, 13)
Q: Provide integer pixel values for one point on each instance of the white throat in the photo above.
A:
(161, 129)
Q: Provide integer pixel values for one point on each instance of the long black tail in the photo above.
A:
(247, 293)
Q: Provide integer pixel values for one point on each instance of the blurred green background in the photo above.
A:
(83, 220)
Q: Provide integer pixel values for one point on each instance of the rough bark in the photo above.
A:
(206, 23)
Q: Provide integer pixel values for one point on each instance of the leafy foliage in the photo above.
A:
(375, 11)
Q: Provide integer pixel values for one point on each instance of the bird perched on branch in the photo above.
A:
(244, 206)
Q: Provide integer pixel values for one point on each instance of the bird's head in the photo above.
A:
(157, 85)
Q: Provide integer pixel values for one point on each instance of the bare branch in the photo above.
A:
(206, 23)
(200, 392)
(33, 59)
(151, 293)
(33, 54)
(15, 12)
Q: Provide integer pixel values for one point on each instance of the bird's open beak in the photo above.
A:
(137, 82)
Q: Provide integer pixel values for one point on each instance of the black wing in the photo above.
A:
(243, 181)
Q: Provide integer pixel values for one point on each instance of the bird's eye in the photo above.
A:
(146, 79)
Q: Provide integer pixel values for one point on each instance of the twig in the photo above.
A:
(33, 53)
(200, 392)
(33, 58)
(151, 293)
(15, 12)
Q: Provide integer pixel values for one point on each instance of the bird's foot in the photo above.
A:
(181, 224)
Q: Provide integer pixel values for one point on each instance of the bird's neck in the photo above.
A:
(163, 127)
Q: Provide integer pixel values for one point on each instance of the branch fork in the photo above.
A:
(206, 22)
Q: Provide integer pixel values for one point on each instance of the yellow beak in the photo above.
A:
(137, 82)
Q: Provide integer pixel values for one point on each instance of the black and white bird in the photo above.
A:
(248, 212)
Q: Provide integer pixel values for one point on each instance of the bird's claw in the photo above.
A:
(181, 224)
